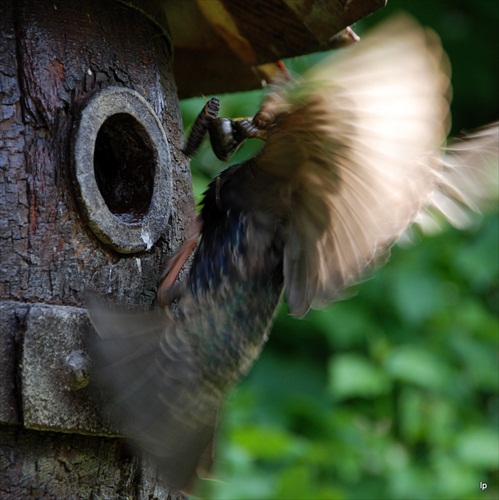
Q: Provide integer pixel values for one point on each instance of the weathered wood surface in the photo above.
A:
(56, 56)
(60, 466)
(53, 57)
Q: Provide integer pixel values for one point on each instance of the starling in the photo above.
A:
(354, 154)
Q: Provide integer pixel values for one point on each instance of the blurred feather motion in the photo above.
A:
(355, 153)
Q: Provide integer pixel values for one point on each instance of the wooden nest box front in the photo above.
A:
(95, 192)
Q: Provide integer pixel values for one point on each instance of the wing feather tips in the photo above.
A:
(467, 178)
(470, 166)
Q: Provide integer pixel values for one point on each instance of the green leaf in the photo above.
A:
(478, 447)
(416, 365)
(266, 443)
(416, 294)
(352, 375)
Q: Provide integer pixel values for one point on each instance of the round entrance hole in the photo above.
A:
(124, 165)
(121, 170)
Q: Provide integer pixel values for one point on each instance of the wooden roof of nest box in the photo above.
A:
(233, 45)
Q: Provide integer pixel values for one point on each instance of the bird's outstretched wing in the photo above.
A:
(356, 153)
(149, 365)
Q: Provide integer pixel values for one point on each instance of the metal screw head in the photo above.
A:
(76, 370)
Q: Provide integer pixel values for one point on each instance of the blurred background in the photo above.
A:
(392, 394)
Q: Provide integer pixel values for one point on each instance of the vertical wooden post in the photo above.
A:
(58, 229)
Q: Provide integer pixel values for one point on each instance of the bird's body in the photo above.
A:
(352, 157)
(236, 275)
(236, 280)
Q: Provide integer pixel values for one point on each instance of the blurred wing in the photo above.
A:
(468, 177)
(353, 150)
(161, 395)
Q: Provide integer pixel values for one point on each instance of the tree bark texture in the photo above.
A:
(54, 58)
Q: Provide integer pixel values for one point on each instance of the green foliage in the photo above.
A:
(393, 393)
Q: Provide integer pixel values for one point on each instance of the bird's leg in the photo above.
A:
(201, 125)
(226, 135)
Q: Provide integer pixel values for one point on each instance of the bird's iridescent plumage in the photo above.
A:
(353, 156)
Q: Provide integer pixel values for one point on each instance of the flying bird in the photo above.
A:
(355, 152)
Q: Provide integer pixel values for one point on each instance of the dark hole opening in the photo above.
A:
(124, 165)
